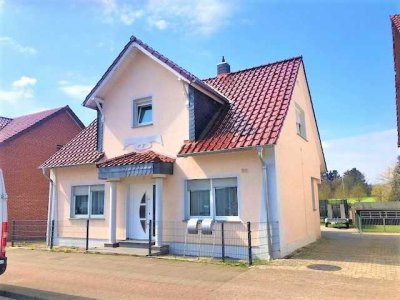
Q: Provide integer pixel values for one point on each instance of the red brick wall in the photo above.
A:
(27, 188)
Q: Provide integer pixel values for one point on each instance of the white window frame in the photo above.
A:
(213, 199)
(300, 114)
(137, 103)
(89, 215)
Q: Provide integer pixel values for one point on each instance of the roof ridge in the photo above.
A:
(260, 66)
(56, 109)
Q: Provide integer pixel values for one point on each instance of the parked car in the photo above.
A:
(337, 222)
(4, 223)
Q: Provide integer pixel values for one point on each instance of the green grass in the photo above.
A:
(365, 199)
(355, 200)
(381, 228)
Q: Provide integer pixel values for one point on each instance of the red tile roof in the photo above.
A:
(82, 149)
(260, 100)
(396, 53)
(135, 158)
(21, 124)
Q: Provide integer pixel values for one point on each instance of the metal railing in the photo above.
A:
(226, 241)
(26, 232)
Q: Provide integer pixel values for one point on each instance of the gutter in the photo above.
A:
(49, 206)
(264, 196)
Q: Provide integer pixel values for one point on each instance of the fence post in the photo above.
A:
(52, 235)
(13, 233)
(249, 243)
(87, 234)
(223, 241)
(150, 234)
(384, 225)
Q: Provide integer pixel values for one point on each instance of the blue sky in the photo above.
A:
(53, 52)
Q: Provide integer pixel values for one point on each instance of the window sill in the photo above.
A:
(219, 219)
(142, 125)
(302, 137)
(86, 218)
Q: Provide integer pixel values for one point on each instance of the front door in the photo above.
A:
(140, 210)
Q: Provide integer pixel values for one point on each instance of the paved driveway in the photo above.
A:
(369, 269)
(366, 255)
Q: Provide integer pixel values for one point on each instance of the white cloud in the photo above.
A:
(24, 81)
(201, 16)
(20, 90)
(159, 24)
(75, 91)
(371, 153)
(124, 13)
(7, 41)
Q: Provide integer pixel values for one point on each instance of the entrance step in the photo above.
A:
(135, 243)
(138, 244)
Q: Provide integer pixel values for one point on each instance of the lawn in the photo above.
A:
(381, 228)
(355, 200)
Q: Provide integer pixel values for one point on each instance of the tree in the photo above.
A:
(395, 182)
(358, 191)
(353, 178)
(330, 184)
(381, 192)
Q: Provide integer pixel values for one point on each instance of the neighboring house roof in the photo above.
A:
(82, 149)
(396, 53)
(135, 158)
(14, 127)
(4, 121)
(260, 101)
(159, 57)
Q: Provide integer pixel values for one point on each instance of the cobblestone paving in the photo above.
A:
(366, 255)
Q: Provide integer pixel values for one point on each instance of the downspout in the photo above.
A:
(99, 103)
(49, 206)
(264, 196)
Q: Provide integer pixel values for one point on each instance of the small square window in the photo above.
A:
(142, 112)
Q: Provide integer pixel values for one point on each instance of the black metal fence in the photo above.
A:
(378, 221)
(225, 240)
(26, 232)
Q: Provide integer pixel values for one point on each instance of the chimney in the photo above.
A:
(223, 67)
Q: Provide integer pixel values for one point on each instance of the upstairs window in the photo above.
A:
(142, 112)
(300, 122)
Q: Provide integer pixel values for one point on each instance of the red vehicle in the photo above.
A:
(3, 222)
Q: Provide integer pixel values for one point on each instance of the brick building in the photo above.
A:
(25, 143)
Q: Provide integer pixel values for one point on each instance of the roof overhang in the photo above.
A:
(134, 45)
(134, 170)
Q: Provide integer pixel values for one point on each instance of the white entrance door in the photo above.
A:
(140, 210)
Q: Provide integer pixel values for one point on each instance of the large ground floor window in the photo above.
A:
(213, 198)
(87, 201)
